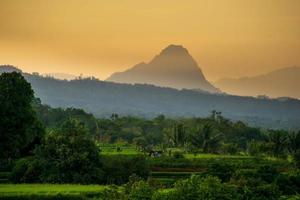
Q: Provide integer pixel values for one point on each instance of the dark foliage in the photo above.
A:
(118, 169)
(20, 130)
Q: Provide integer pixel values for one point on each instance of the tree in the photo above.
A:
(169, 137)
(179, 134)
(293, 140)
(206, 138)
(69, 156)
(278, 141)
(141, 143)
(20, 130)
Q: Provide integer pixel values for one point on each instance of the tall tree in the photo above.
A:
(19, 128)
(179, 134)
(293, 142)
(278, 141)
(69, 155)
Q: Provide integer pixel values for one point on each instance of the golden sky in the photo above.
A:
(228, 38)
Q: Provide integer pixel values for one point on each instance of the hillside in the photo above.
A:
(104, 98)
(283, 82)
(174, 67)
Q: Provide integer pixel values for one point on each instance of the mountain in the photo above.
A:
(61, 76)
(9, 69)
(104, 98)
(284, 82)
(174, 67)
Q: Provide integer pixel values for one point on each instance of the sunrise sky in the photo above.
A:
(228, 38)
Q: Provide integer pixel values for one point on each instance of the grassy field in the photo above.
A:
(49, 191)
(205, 156)
(48, 188)
(108, 149)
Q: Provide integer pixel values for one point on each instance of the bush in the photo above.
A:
(255, 148)
(267, 173)
(289, 183)
(169, 194)
(262, 192)
(178, 155)
(296, 158)
(26, 170)
(65, 156)
(199, 188)
(117, 169)
(113, 193)
(229, 148)
(223, 171)
(140, 191)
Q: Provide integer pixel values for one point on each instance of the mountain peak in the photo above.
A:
(174, 67)
(174, 50)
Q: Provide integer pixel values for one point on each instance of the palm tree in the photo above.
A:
(207, 138)
(179, 134)
(278, 139)
(293, 140)
(168, 136)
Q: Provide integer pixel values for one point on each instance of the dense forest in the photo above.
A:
(138, 158)
(212, 134)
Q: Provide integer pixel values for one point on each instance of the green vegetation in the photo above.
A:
(137, 158)
(49, 191)
(48, 188)
(20, 130)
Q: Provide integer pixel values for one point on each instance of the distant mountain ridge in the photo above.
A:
(283, 82)
(9, 69)
(174, 67)
(61, 76)
(104, 98)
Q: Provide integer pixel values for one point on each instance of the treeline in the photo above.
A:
(213, 134)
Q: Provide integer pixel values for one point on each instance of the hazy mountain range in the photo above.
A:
(61, 76)
(104, 98)
(174, 67)
(283, 82)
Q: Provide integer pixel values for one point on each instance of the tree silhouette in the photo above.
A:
(19, 128)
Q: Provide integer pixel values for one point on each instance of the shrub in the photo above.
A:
(262, 192)
(113, 193)
(230, 148)
(255, 148)
(267, 173)
(140, 191)
(223, 171)
(178, 155)
(296, 158)
(26, 170)
(289, 183)
(199, 188)
(119, 168)
(69, 156)
(169, 194)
